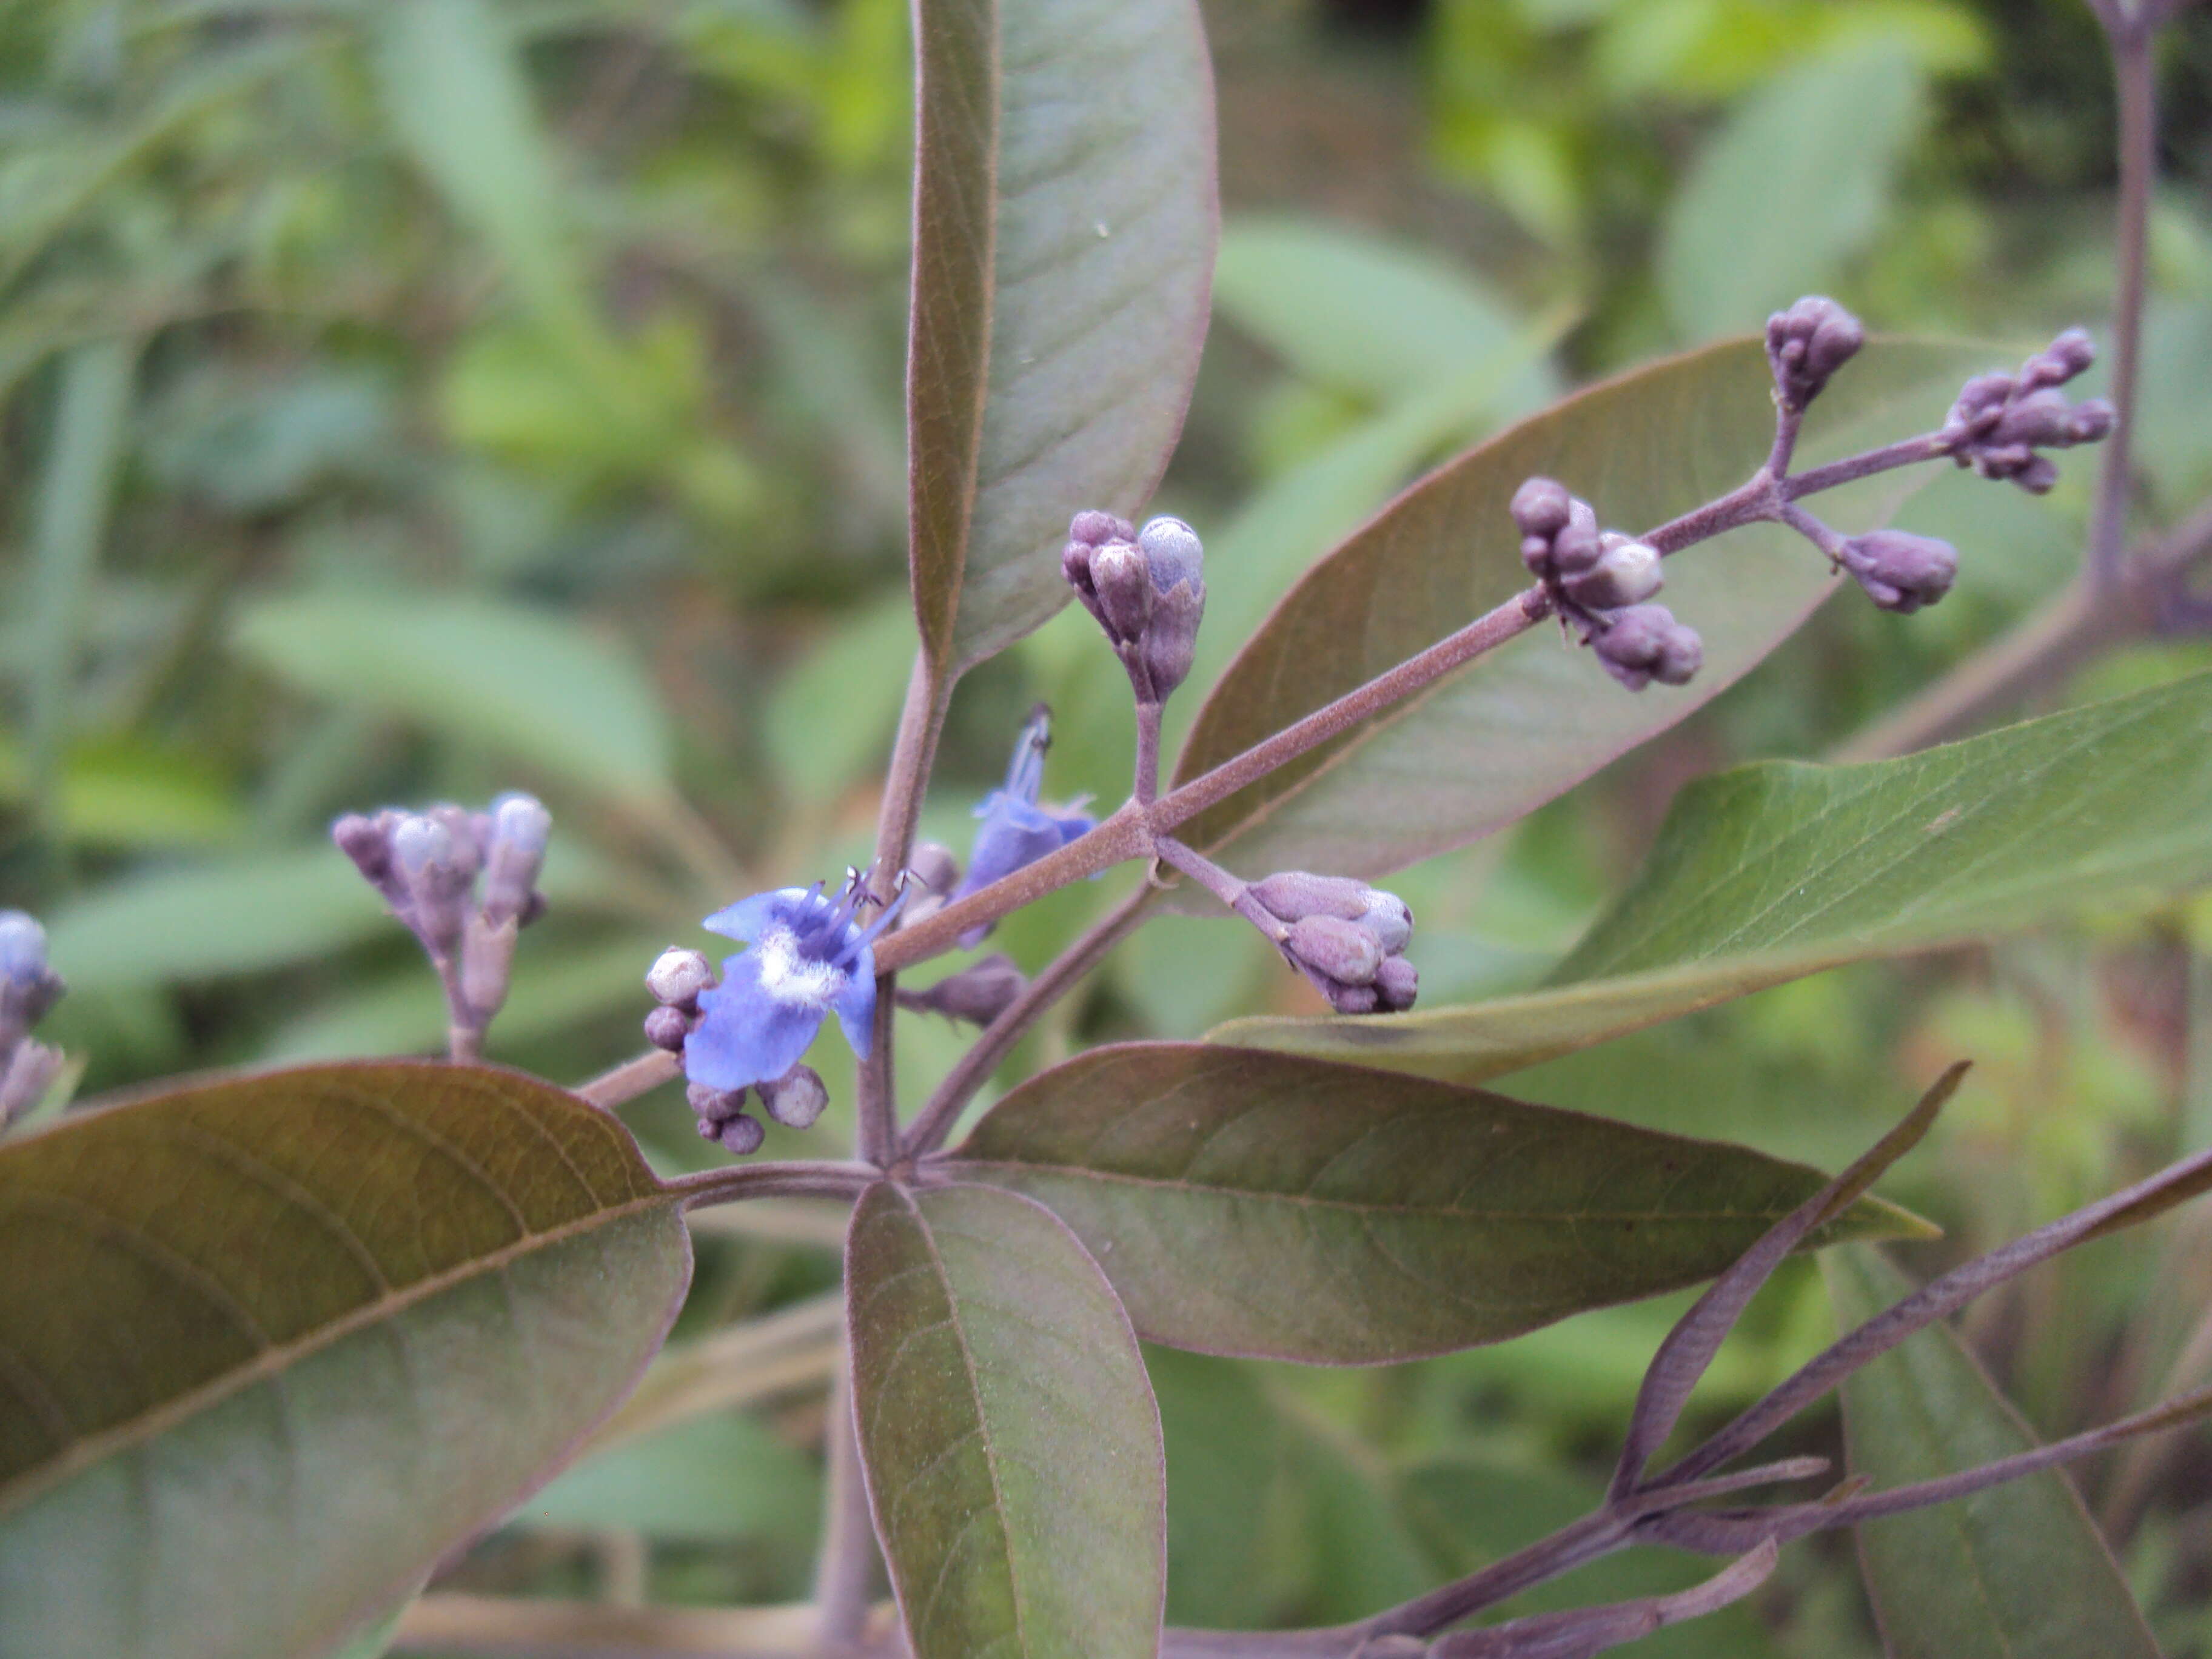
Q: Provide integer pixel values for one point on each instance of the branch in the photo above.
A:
(799, 1178)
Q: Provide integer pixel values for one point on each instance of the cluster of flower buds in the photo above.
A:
(1347, 937)
(1147, 589)
(677, 979)
(1806, 344)
(1900, 572)
(463, 882)
(978, 994)
(28, 986)
(1600, 581)
(2001, 421)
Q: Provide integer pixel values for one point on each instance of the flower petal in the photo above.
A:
(856, 1004)
(744, 1035)
(749, 918)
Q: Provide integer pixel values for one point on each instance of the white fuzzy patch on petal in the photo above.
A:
(790, 975)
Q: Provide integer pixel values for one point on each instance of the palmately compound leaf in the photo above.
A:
(2018, 1571)
(1259, 1204)
(1772, 872)
(270, 1347)
(1493, 740)
(1011, 1440)
(1065, 227)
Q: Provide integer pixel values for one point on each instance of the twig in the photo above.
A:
(633, 1078)
(797, 1179)
(845, 1570)
(936, 1119)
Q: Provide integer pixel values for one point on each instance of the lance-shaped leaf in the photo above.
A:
(1772, 872)
(1248, 1203)
(1494, 739)
(1011, 1441)
(270, 1347)
(2017, 1571)
(1065, 226)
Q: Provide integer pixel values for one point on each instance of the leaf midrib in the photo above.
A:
(87, 1451)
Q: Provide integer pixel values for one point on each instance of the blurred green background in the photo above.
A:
(414, 398)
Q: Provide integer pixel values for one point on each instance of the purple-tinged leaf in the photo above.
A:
(1498, 737)
(270, 1347)
(1012, 1444)
(2018, 1571)
(1065, 227)
(1248, 1203)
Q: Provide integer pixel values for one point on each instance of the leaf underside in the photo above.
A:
(1772, 872)
(1011, 1441)
(270, 1347)
(1258, 1204)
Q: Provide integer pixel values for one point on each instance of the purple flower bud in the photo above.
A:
(1627, 572)
(1396, 985)
(934, 867)
(1335, 950)
(1172, 550)
(1123, 582)
(1901, 572)
(1579, 546)
(2092, 422)
(2058, 363)
(711, 1105)
(1388, 920)
(1540, 506)
(367, 842)
(978, 994)
(1981, 401)
(1644, 643)
(515, 855)
(1294, 894)
(740, 1136)
(1171, 644)
(23, 949)
(1807, 343)
(677, 976)
(796, 1099)
(667, 1028)
(1347, 999)
(422, 844)
(1096, 529)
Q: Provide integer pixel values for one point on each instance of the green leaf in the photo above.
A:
(1491, 742)
(713, 1480)
(1793, 184)
(1248, 1203)
(1224, 1460)
(1065, 224)
(274, 1344)
(256, 911)
(834, 714)
(1011, 1440)
(1769, 873)
(532, 684)
(2018, 1571)
(1376, 319)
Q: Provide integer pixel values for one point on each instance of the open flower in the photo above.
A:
(809, 955)
(1016, 831)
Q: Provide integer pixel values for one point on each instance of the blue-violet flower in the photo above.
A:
(1016, 831)
(809, 955)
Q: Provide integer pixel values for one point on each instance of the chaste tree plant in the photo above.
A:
(272, 1346)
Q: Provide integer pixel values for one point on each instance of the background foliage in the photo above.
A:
(408, 399)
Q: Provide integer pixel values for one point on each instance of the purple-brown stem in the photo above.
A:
(935, 1120)
(798, 1178)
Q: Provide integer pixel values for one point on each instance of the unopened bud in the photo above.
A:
(1124, 585)
(1541, 507)
(367, 842)
(421, 845)
(26, 1075)
(667, 1029)
(1807, 343)
(1173, 553)
(1096, 529)
(1579, 546)
(1294, 894)
(2092, 421)
(1396, 985)
(23, 949)
(677, 976)
(934, 867)
(1627, 572)
(1336, 949)
(1901, 572)
(1644, 643)
(711, 1105)
(486, 963)
(978, 994)
(1170, 643)
(1388, 920)
(739, 1135)
(2067, 355)
(796, 1099)
(1347, 999)
(519, 826)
